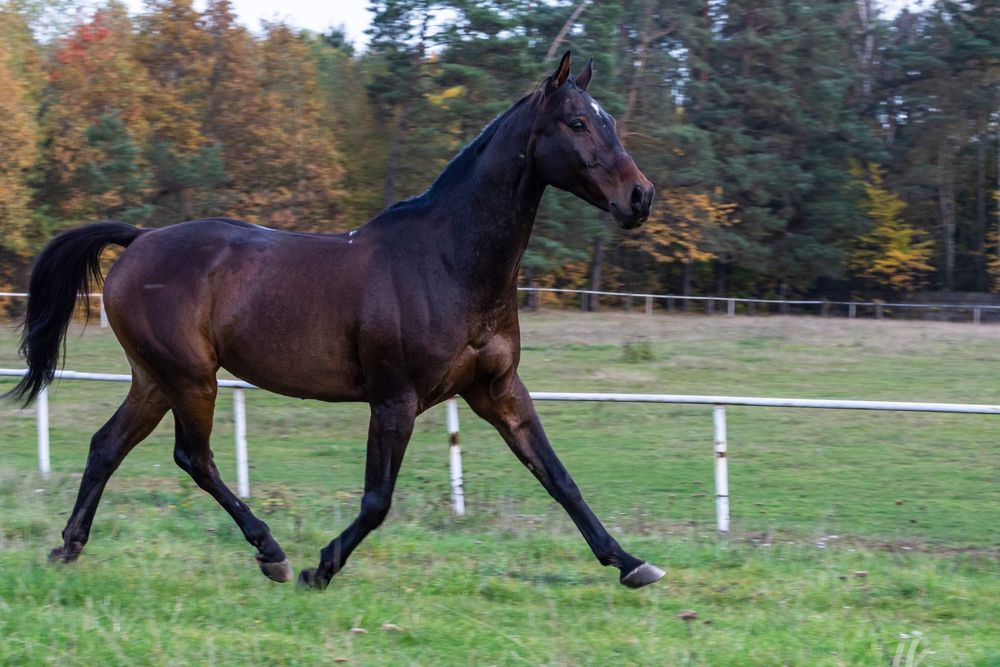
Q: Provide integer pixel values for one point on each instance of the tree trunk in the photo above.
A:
(946, 209)
(595, 274)
(529, 300)
(570, 22)
(866, 52)
(996, 285)
(978, 234)
(721, 273)
(686, 284)
(392, 165)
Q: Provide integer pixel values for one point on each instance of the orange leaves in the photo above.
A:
(19, 147)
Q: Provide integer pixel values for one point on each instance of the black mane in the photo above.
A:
(461, 165)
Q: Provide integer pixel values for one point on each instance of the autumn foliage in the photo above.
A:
(749, 118)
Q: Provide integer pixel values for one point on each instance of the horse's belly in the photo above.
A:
(306, 353)
(296, 373)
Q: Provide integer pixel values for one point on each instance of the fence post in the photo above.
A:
(731, 305)
(977, 314)
(42, 410)
(455, 459)
(628, 304)
(852, 310)
(649, 305)
(721, 471)
(104, 313)
(240, 434)
(878, 311)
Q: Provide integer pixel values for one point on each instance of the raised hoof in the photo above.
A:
(308, 579)
(66, 553)
(280, 571)
(643, 575)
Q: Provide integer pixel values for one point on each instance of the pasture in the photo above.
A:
(857, 537)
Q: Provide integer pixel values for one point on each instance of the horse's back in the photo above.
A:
(219, 292)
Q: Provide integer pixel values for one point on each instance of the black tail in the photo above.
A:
(69, 265)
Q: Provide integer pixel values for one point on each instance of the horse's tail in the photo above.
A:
(69, 265)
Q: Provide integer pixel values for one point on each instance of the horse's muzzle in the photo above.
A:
(637, 211)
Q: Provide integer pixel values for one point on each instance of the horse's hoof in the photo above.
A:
(66, 553)
(280, 571)
(643, 575)
(309, 579)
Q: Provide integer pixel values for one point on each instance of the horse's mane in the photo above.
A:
(461, 165)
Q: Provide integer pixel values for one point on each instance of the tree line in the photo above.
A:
(798, 148)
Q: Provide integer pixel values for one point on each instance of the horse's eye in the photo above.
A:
(577, 125)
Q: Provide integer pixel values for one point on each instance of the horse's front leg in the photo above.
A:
(504, 402)
(388, 434)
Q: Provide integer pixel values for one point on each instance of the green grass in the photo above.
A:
(818, 497)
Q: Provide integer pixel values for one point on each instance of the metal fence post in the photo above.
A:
(721, 471)
(977, 314)
(240, 434)
(649, 305)
(852, 310)
(731, 308)
(455, 459)
(42, 410)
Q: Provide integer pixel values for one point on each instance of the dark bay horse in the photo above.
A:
(415, 306)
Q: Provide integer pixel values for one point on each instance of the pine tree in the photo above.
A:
(113, 175)
(778, 110)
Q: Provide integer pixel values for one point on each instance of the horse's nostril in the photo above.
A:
(637, 198)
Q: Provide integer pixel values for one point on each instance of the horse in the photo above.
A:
(417, 305)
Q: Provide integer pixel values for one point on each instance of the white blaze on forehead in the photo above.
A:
(601, 113)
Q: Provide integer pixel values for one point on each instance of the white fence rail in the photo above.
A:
(97, 295)
(719, 403)
(853, 309)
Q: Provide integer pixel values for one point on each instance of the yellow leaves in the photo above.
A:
(890, 255)
(993, 246)
(676, 231)
(441, 99)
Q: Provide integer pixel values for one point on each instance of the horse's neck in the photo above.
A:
(490, 227)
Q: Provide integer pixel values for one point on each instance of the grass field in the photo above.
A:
(858, 538)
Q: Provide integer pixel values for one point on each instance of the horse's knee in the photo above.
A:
(374, 508)
(101, 458)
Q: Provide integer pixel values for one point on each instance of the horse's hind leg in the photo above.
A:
(193, 415)
(135, 419)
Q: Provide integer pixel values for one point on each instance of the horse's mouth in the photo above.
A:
(629, 220)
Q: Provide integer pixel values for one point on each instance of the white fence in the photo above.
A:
(852, 309)
(98, 295)
(719, 404)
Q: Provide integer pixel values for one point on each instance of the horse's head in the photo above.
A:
(577, 149)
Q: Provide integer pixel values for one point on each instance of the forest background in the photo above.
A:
(798, 148)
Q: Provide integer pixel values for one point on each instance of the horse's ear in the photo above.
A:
(583, 78)
(561, 73)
